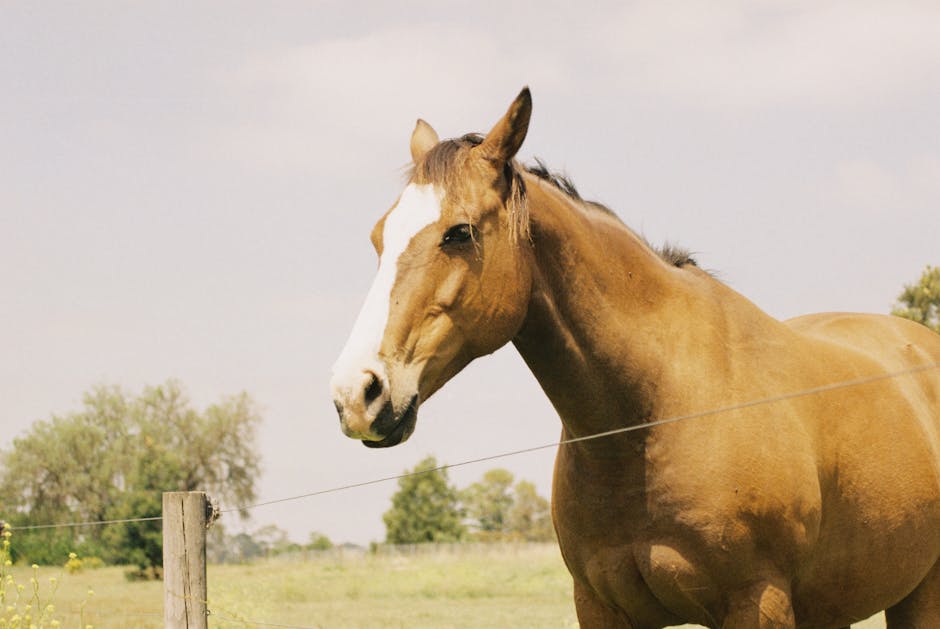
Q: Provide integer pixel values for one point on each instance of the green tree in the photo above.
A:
(113, 459)
(141, 543)
(272, 539)
(319, 541)
(425, 507)
(530, 517)
(245, 547)
(219, 547)
(500, 511)
(920, 301)
(488, 502)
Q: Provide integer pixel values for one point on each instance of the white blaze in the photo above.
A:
(418, 207)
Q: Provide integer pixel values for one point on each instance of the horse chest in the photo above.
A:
(654, 584)
(600, 517)
(659, 543)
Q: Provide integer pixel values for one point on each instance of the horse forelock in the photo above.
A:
(444, 165)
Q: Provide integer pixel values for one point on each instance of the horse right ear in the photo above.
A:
(504, 140)
(423, 139)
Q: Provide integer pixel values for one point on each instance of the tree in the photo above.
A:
(498, 513)
(218, 544)
(319, 541)
(245, 547)
(920, 302)
(530, 517)
(272, 539)
(239, 548)
(488, 502)
(267, 541)
(425, 508)
(114, 458)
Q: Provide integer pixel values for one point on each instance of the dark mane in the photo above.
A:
(559, 180)
(674, 254)
(438, 167)
(669, 252)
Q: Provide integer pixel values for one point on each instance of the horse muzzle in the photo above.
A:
(368, 412)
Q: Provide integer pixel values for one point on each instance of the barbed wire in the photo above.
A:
(211, 614)
(93, 612)
(606, 433)
(554, 444)
(63, 525)
(97, 612)
(257, 622)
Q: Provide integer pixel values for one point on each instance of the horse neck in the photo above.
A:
(610, 324)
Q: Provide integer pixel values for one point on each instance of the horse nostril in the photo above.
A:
(374, 389)
(339, 409)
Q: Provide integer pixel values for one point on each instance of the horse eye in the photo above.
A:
(457, 234)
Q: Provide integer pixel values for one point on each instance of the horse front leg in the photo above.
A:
(920, 608)
(595, 613)
(762, 605)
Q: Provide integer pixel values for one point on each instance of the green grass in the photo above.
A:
(500, 586)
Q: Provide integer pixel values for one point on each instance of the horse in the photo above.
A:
(812, 499)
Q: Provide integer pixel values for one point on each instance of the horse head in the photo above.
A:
(451, 285)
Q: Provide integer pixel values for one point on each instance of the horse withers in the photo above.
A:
(803, 492)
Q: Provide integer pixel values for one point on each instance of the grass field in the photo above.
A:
(500, 586)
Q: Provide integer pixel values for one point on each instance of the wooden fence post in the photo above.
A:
(184, 560)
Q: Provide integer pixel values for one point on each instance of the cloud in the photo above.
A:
(865, 183)
(348, 102)
(319, 104)
(771, 54)
(906, 190)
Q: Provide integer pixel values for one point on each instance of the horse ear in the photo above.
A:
(423, 139)
(505, 138)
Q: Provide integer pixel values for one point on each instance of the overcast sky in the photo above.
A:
(187, 189)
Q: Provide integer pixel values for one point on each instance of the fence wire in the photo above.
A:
(257, 622)
(555, 444)
(63, 525)
(607, 433)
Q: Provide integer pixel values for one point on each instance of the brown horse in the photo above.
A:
(811, 509)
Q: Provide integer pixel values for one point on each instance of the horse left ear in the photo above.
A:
(423, 139)
(505, 138)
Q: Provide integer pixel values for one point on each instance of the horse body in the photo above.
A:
(754, 500)
(783, 509)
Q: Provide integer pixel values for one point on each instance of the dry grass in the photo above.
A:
(521, 586)
(115, 602)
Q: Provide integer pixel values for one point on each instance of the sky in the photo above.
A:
(187, 190)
